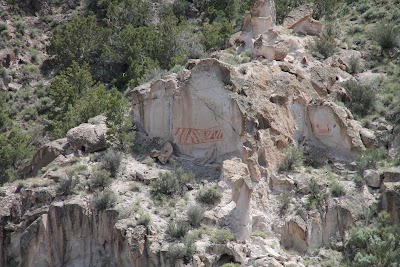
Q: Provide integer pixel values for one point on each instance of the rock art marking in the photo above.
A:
(323, 129)
(192, 136)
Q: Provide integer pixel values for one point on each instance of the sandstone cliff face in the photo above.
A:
(68, 233)
(194, 111)
(216, 111)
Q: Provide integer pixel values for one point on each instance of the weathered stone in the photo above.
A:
(301, 21)
(372, 178)
(209, 116)
(281, 184)
(197, 117)
(322, 79)
(164, 153)
(297, 14)
(260, 19)
(89, 137)
(391, 199)
(46, 154)
(271, 51)
(7, 57)
(368, 138)
(391, 175)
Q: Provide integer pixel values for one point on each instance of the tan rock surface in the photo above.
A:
(89, 137)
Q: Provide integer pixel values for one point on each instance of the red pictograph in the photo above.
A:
(323, 129)
(192, 136)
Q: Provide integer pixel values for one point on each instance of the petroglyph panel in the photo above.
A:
(199, 117)
(326, 128)
(190, 136)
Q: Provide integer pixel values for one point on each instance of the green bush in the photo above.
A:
(67, 185)
(134, 187)
(77, 98)
(362, 98)
(111, 161)
(80, 40)
(317, 196)
(386, 35)
(144, 219)
(375, 245)
(100, 179)
(119, 13)
(176, 251)
(222, 236)
(209, 195)
(217, 34)
(104, 200)
(355, 65)
(171, 183)
(359, 180)
(293, 158)
(182, 251)
(195, 215)
(166, 184)
(16, 150)
(177, 229)
(337, 189)
(369, 159)
(285, 200)
(325, 45)
(231, 265)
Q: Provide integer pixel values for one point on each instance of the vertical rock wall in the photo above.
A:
(200, 117)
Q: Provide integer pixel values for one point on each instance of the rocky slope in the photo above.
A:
(231, 125)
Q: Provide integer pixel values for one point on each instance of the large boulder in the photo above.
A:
(372, 178)
(164, 153)
(260, 19)
(7, 57)
(46, 154)
(300, 21)
(89, 137)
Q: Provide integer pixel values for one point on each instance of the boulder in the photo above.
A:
(164, 153)
(300, 21)
(307, 26)
(391, 175)
(7, 57)
(297, 14)
(368, 138)
(322, 79)
(260, 19)
(271, 51)
(391, 197)
(372, 178)
(45, 155)
(89, 137)
(281, 184)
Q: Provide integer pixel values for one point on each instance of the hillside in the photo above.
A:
(199, 133)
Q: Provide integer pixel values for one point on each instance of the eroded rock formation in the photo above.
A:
(217, 111)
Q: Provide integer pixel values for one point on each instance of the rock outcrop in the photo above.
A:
(216, 109)
(43, 233)
(46, 154)
(301, 22)
(260, 19)
(390, 188)
(89, 137)
(7, 57)
(307, 231)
